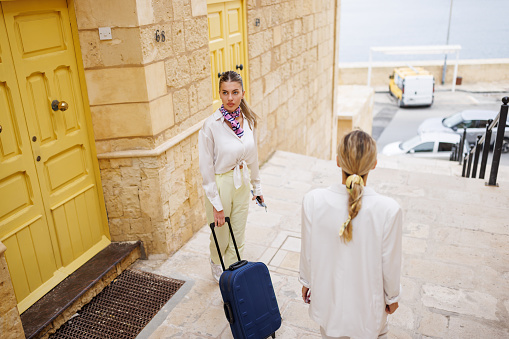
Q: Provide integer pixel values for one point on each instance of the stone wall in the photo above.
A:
(141, 94)
(10, 322)
(291, 57)
(471, 71)
(144, 95)
(354, 109)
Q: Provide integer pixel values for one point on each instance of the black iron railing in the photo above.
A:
(457, 150)
(483, 144)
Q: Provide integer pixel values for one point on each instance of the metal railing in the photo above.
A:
(483, 144)
(456, 154)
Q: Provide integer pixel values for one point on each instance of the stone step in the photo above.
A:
(420, 185)
(434, 166)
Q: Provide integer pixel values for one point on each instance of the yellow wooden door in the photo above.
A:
(226, 42)
(235, 39)
(50, 215)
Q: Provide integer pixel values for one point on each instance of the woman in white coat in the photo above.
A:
(350, 259)
(228, 164)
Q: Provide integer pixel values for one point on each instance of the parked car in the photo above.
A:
(412, 86)
(473, 120)
(425, 145)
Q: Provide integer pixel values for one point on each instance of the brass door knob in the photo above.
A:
(62, 105)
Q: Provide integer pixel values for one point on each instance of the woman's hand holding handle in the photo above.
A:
(390, 309)
(306, 295)
(219, 218)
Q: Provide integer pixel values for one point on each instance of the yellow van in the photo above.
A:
(412, 86)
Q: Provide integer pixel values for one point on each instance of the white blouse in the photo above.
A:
(350, 283)
(221, 150)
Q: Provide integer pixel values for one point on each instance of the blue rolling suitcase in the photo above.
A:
(250, 303)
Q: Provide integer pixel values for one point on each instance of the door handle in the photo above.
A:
(62, 105)
(241, 67)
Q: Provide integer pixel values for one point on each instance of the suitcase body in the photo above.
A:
(250, 303)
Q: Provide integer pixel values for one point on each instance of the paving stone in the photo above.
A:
(402, 318)
(473, 303)
(398, 333)
(309, 336)
(268, 255)
(439, 273)
(410, 290)
(278, 258)
(466, 328)
(260, 234)
(296, 314)
(416, 230)
(211, 323)
(291, 244)
(258, 216)
(291, 261)
(273, 180)
(198, 242)
(253, 252)
(291, 223)
(433, 324)
(414, 245)
(227, 334)
(167, 332)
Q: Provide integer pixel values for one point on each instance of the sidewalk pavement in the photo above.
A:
(455, 254)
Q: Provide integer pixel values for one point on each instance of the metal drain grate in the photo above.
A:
(123, 308)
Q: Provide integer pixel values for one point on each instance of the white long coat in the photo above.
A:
(351, 282)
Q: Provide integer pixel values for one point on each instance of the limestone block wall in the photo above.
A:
(291, 56)
(354, 109)
(143, 93)
(10, 322)
(471, 71)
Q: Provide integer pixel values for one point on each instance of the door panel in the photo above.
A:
(226, 42)
(217, 45)
(37, 97)
(55, 174)
(235, 36)
(64, 86)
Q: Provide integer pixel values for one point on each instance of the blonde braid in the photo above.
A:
(356, 156)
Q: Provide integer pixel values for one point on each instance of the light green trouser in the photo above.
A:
(235, 205)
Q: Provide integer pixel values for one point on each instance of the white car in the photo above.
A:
(426, 145)
(473, 120)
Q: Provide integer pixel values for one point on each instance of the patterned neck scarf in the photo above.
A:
(231, 118)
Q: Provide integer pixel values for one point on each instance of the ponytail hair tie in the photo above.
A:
(353, 179)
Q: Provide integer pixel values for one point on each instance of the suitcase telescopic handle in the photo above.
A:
(212, 226)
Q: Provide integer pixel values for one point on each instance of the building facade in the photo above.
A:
(137, 78)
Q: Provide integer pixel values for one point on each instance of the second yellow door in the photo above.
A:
(226, 42)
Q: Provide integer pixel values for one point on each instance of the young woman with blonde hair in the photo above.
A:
(351, 248)
(228, 164)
